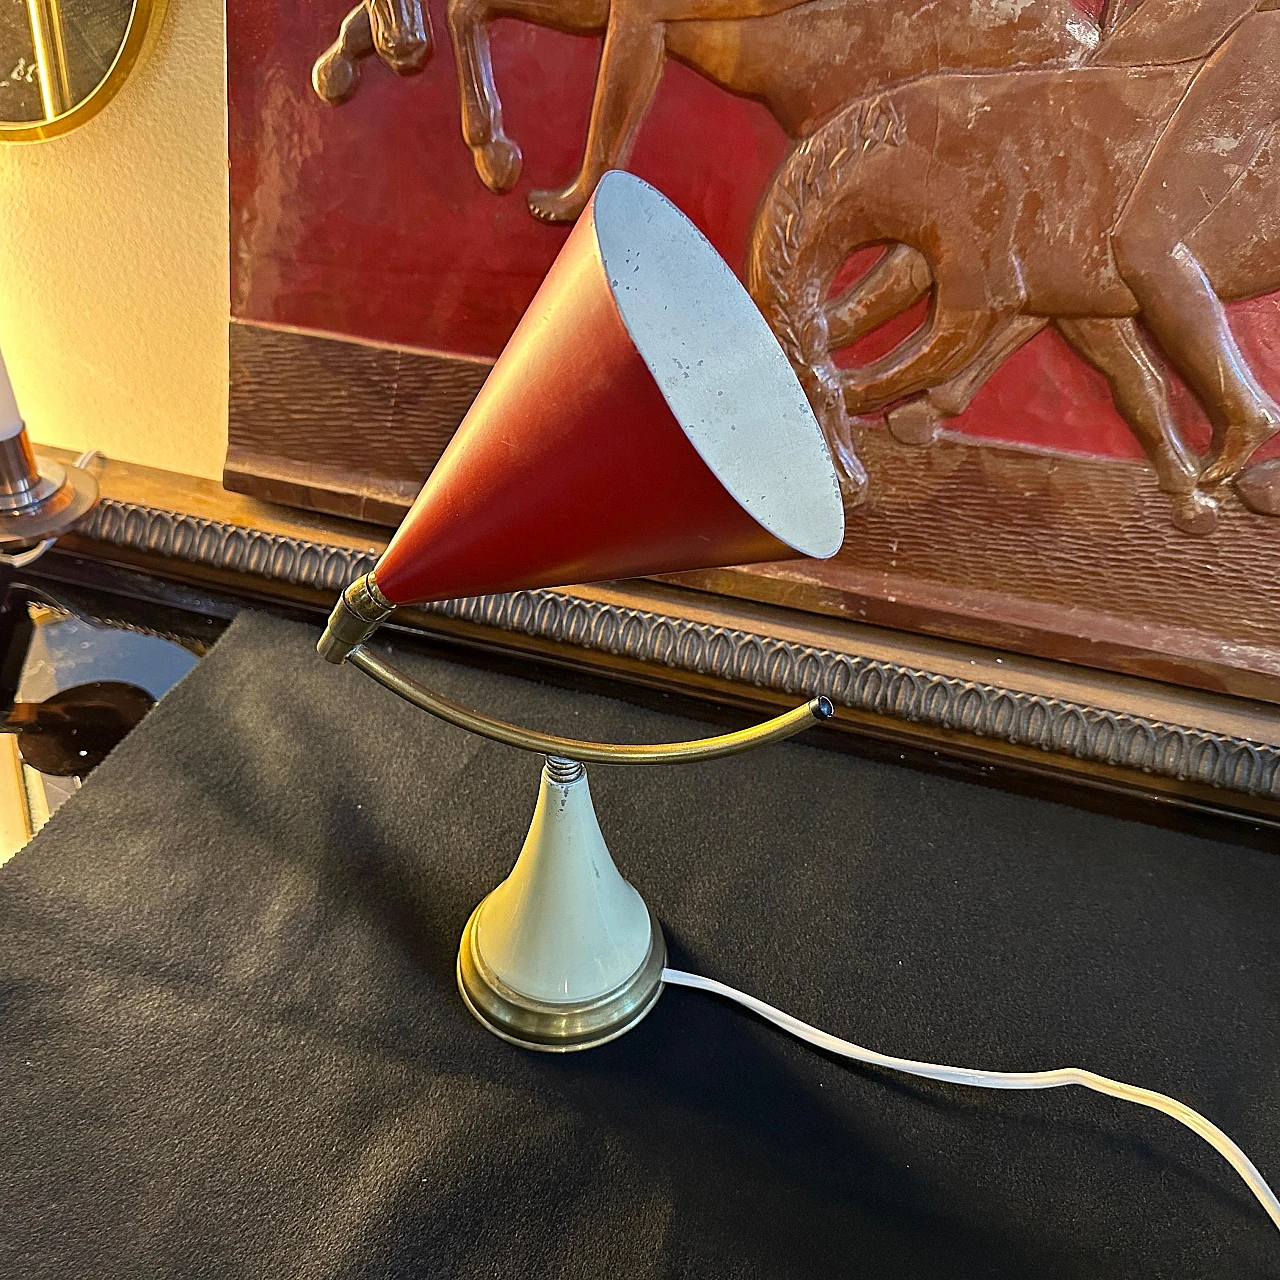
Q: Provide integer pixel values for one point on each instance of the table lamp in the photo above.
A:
(642, 419)
(38, 500)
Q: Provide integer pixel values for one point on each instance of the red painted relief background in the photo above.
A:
(369, 220)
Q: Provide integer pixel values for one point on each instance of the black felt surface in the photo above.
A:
(232, 1045)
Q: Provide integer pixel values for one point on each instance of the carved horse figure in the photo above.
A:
(1010, 186)
(803, 60)
(398, 31)
(1219, 127)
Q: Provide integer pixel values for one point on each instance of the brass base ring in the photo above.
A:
(551, 1026)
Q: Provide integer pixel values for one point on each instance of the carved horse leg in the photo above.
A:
(630, 68)
(497, 157)
(899, 280)
(631, 62)
(1115, 348)
(1212, 138)
(920, 418)
(940, 349)
(336, 72)
(398, 31)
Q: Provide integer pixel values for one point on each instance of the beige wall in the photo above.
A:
(113, 262)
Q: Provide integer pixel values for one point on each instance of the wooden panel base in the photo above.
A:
(1059, 556)
(929, 700)
(348, 428)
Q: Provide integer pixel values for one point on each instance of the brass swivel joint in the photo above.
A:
(358, 613)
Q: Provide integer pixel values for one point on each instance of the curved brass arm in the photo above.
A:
(783, 726)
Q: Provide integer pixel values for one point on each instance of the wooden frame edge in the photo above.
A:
(1198, 747)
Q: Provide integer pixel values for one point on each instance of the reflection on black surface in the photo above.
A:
(66, 650)
(72, 732)
(72, 685)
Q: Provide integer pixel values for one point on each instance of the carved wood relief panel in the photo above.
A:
(1024, 258)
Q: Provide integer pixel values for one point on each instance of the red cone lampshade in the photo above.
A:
(642, 419)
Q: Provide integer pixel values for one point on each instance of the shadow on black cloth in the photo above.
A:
(232, 1045)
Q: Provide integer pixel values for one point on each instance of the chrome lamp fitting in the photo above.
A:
(40, 499)
(564, 954)
(360, 610)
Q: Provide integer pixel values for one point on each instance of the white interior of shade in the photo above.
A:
(719, 366)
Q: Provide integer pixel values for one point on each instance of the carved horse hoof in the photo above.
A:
(335, 76)
(916, 422)
(852, 476)
(498, 163)
(557, 206)
(850, 472)
(337, 70)
(1194, 512)
(1240, 443)
(1259, 487)
(401, 34)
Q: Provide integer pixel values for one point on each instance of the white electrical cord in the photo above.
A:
(1000, 1079)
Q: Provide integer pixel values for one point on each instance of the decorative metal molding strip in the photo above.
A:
(872, 685)
(226, 546)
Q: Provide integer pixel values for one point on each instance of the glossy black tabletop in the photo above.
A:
(234, 1046)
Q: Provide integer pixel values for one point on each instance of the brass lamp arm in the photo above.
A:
(780, 727)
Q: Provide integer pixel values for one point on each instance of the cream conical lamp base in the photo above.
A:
(563, 954)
